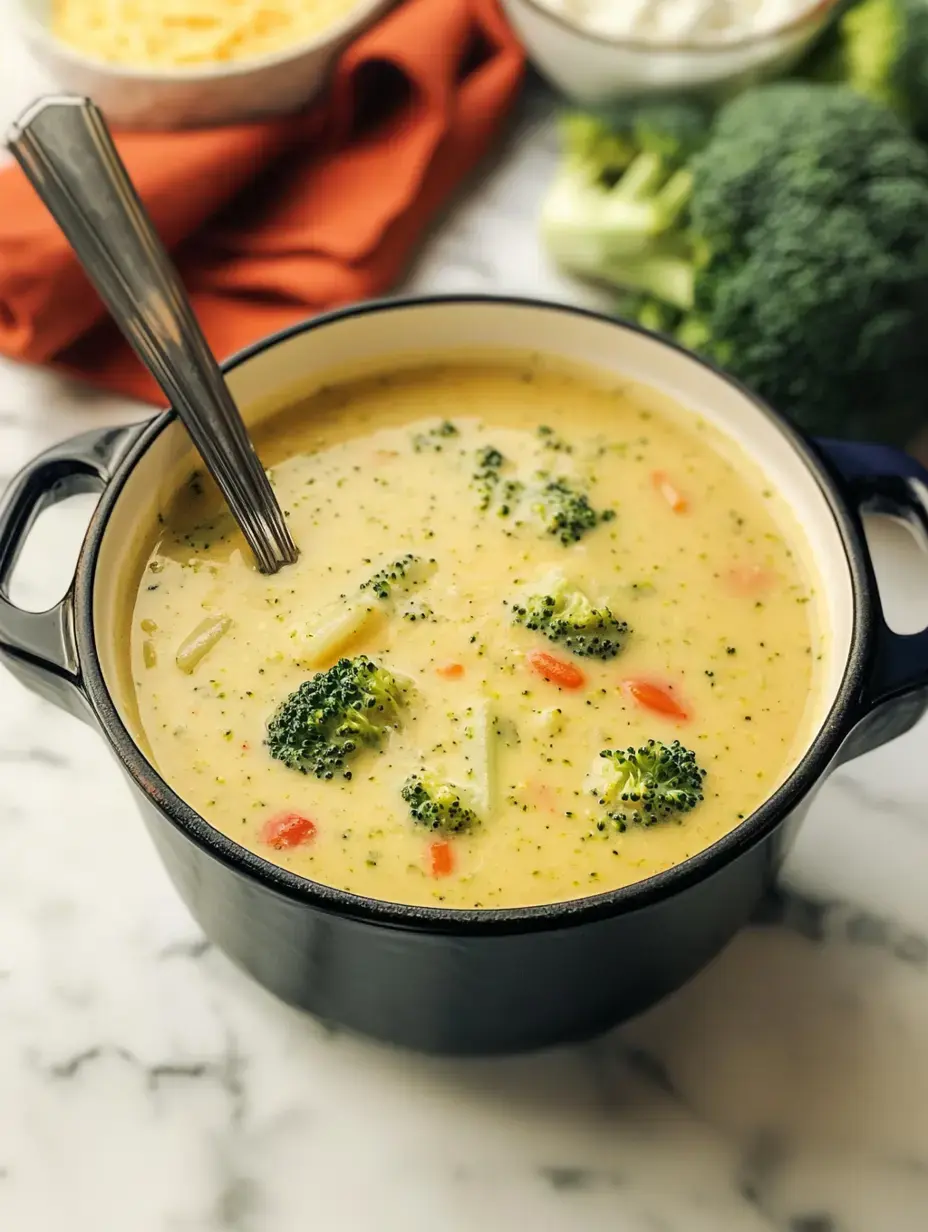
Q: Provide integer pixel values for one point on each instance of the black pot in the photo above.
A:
(470, 981)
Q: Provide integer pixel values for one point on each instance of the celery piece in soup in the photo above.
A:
(197, 645)
(334, 631)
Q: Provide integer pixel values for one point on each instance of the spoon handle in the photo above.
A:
(65, 149)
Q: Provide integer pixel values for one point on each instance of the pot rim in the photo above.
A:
(757, 826)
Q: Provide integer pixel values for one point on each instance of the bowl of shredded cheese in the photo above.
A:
(600, 51)
(160, 64)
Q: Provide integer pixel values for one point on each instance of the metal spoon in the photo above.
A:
(63, 145)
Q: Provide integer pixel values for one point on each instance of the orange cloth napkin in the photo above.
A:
(271, 222)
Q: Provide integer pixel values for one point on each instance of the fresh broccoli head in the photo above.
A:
(811, 204)
(806, 264)
(653, 783)
(883, 53)
(622, 187)
(322, 726)
(565, 615)
(436, 804)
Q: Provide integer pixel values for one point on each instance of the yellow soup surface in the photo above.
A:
(461, 466)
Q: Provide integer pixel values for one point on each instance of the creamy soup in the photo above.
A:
(510, 576)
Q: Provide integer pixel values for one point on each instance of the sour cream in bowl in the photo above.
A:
(597, 51)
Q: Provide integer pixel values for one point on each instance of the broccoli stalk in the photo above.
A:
(620, 194)
(481, 729)
(617, 208)
(872, 36)
(564, 614)
(656, 782)
(609, 200)
(883, 54)
(332, 717)
(810, 212)
(442, 805)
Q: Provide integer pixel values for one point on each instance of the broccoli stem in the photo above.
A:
(674, 197)
(642, 179)
(693, 333)
(484, 757)
(670, 279)
(873, 35)
(588, 227)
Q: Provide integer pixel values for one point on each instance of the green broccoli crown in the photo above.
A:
(325, 723)
(796, 141)
(437, 805)
(565, 512)
(401, 577)
(673, 128)
(811, 270)
(565, 615)
(796, 255)
(807, 276)
(653, 783)
(595, 143)
(559, 508)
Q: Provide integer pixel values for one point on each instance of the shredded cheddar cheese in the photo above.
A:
(189, 33)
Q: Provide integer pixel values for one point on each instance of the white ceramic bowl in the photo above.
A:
(596, 69)
(225, 93)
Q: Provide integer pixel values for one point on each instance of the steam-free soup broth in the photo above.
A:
(512, 579)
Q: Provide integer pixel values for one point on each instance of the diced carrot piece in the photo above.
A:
(654, 697)
(288, 830)
(450, 671)
(557, 671)
(441, 858)
(672, 495)
(542, 794)
(750, 580)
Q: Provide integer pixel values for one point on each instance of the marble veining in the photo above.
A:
(147, 1086)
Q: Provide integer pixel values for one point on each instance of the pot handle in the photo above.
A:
(881, 479)
(39, 647)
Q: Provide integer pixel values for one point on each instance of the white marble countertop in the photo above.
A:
(147, 1086)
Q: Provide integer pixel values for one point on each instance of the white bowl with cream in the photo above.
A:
(227, 91)
(600, 51)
